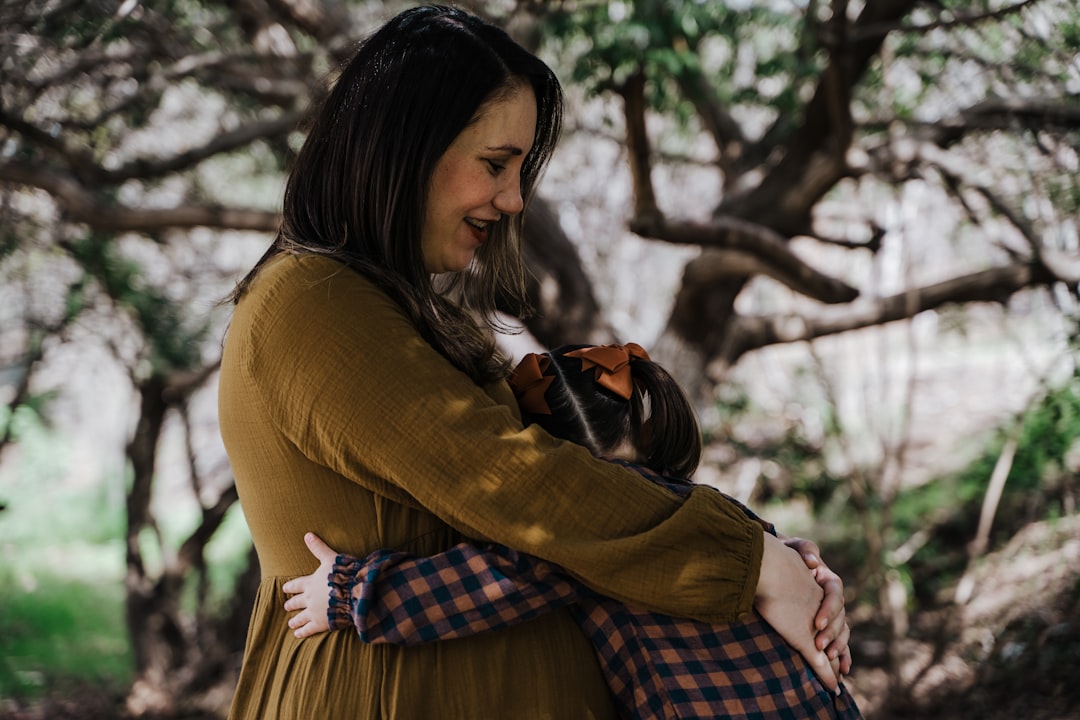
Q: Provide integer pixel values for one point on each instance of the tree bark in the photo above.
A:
(151, 608)
(561, 293)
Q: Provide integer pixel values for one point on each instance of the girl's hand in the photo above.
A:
(310, 593)
(831, 620)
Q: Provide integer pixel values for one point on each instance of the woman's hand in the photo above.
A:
(831, 620)
(790, 599)
(310, 593)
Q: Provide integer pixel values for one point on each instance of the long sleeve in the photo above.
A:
(349, 381)
(397, 598)
(402, 599)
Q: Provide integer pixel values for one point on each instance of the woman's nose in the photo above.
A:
(508, 200)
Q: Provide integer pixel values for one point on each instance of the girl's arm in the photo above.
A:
(396, 598)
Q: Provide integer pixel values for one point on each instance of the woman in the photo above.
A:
(356, 393)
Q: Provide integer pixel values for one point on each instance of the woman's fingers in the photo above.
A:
(838, 648)
(832, 607)
(807, 549)
(789, 598)
(827, 671)
(830, 622)
(845, 661)
(830, 630)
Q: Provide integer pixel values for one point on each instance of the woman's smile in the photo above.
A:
(480, 227)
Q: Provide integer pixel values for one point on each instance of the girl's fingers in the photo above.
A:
(318, 548)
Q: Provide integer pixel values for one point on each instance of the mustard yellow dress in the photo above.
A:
(340, 419)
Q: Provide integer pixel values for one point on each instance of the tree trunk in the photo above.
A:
(559, 290)
(152, 620)
(698, 329)
(177, 658)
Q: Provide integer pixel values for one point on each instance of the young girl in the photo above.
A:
(621, 406)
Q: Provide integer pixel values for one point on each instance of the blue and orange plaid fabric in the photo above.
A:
(656, 666)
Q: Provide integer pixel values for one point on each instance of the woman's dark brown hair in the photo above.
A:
(358, 189)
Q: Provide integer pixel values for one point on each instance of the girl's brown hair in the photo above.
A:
(569, 395)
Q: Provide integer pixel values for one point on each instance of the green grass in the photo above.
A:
(62, 569)
(61, 574)
(58, 631)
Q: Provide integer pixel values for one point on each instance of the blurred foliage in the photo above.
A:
(1041, 484)
(754, 56)
(940, 517)
(174, 337)
(32, 412)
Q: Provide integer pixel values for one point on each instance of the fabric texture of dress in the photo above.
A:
(340, 419)
(657, 666)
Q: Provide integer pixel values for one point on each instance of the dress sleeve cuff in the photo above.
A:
(342, 579)
(757, 550)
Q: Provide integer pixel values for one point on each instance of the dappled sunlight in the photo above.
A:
(536, 535)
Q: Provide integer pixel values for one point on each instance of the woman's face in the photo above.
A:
(477, 181)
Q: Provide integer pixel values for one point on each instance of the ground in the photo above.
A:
(1010, 653)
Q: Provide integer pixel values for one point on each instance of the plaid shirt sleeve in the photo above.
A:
(396, 598)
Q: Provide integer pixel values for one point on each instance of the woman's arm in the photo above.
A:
(396, 598)
(830, 622)
(351, 383)
(401, 599)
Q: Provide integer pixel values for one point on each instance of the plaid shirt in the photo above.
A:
(656, 666)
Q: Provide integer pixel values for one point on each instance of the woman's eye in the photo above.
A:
(496, 167)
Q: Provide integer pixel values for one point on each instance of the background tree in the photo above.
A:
(143, 146)
(971, 100)
(798, 103)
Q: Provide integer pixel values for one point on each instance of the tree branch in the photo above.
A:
(879, 30)
(721, 126)
(1008, 114)
(247, 133)
(994, 285)
(955, 183)
(813, 160)
(758, 250)
(82, 206)
(638, 151)
(80, 160)
(322, 20)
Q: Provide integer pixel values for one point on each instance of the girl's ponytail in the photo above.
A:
(611, 398)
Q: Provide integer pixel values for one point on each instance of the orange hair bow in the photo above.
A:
(530, 384)
(612, 363)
